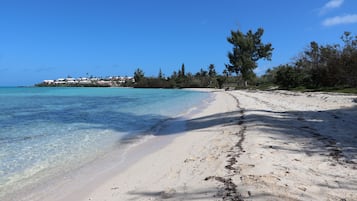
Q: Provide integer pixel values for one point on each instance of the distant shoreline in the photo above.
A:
(112, 81)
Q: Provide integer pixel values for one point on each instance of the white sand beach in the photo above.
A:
(245, 145)
(251, 145)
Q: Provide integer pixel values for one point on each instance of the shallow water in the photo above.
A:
(47, 131)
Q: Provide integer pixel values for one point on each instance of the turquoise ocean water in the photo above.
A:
(44, 131)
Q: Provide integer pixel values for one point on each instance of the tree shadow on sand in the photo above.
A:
(180, 194)
(329, 133)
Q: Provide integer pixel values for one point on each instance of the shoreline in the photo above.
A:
(179, 168)
(243, 145)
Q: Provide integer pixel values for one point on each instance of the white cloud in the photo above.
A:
(346, 19)
(331, 5)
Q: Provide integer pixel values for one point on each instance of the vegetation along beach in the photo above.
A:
(178, 100)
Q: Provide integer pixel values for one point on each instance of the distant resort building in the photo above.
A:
(111, 81)
(49, 81)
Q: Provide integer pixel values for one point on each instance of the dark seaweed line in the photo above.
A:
(230, 192)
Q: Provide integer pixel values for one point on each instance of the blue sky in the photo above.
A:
(48, 39)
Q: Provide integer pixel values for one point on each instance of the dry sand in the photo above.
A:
(298, 146)
(249, 145)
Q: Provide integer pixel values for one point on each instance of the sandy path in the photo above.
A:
(298, 146)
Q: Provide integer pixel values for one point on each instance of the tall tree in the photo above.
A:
(138, 75)
(182, 72)
(161, 75)
(247, 50)
(212, 71)
(349, 58)
(313, 55)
